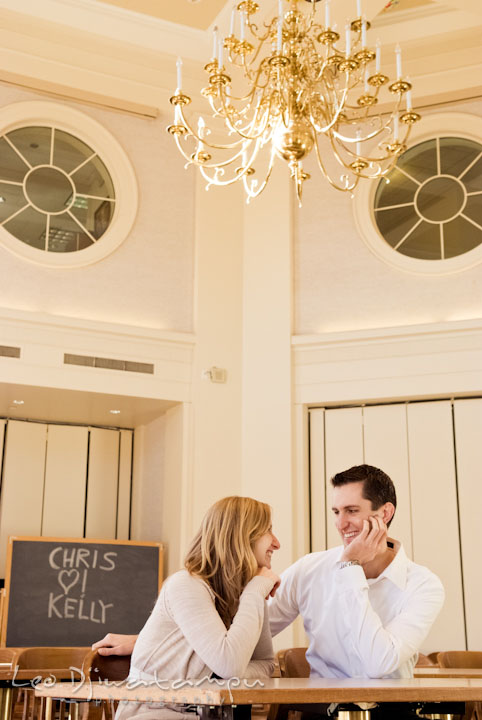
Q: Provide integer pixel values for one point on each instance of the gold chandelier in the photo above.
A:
(290, 89)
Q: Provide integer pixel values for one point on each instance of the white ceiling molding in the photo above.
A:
(118, 24)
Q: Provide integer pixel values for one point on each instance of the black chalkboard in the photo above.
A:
(62, 592)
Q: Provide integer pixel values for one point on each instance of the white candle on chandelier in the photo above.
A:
(409, 100)
(200, 131)
(358, 143)
(243, 26)
(367, 89)
(215, 42)
(347, 40)
(398, 55)
(220, 52)
(395, 128)
(364, 33)
(179, 73)
(233, 20)
(177, 115)
(358, 8)
(378, 56)
(280, 26)
(327, 13)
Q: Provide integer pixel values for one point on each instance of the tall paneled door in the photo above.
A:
(64, 481)
(433, 453)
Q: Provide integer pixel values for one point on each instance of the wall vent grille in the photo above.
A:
(108, 363)
(9, 351)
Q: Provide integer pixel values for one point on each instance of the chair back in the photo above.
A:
(460, 659)
(106, 667)
(50, 658)
(8, 656)
(293, 663)
(424, 661)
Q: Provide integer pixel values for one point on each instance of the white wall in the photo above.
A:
(148, 281)
(341, 285)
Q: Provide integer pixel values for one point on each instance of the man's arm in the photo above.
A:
(283, 608)
(113, 644)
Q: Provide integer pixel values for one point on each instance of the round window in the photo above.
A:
(68, 194)
(56, 193)
(425, 216)
(430, 205)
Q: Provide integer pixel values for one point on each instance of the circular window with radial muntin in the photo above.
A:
(68, 194)
(429, 207)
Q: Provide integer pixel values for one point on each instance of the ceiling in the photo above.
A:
(192, 13)
(80, 408)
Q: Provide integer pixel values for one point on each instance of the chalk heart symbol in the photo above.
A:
(67, 579)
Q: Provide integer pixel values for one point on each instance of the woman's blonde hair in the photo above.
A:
(222, 554)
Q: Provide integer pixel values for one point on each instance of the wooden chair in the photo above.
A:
(293, 663)
(460, 659)
(48, 661)
(100, 667)
(426, 660)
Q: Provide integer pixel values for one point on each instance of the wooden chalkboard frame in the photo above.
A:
(93, 541)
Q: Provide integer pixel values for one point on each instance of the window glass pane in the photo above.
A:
(473, 178)
(394, 224)
(420, 162)
(49, 189)
(440, 199)
(456, 154)
(423, 242)
(12, 200)
(66, 235)
(460, 236)
(94, 214)
(33, 143)
(473, 208)
(12, 167)
(399, 190)
(69, 151)
(30, 227)
(93, 179)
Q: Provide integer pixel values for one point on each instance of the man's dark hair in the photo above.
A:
(377, 486)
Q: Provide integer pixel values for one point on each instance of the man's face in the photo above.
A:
(350, 509)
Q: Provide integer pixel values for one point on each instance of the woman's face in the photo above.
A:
(264, 548)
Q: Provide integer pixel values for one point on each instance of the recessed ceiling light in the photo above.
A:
(2, 199)
(114, 412)
(18, 402)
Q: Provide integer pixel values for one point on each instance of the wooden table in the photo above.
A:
(426, 671)
(278, 690)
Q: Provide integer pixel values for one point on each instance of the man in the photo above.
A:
(366, 607)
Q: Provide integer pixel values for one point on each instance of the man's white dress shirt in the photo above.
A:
(358, 628)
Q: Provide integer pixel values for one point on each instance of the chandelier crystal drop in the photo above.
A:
(294, 87)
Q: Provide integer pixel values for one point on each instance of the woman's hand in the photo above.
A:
(267, 572)
(113, 644)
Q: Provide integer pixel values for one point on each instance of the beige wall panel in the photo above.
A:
(468, 443)
(385, 441)
(434, 514)
(343, 449)
(102, 484)
(65, 478)
(23, 482)
(125, 474)
(317, 480)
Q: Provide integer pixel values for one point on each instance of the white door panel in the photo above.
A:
(468, 443)
(435, 514)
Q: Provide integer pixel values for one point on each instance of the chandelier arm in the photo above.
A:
(328, 177)
(252, 194)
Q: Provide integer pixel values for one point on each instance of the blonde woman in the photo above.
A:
(211, 619)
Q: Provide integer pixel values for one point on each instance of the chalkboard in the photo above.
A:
(64, 592)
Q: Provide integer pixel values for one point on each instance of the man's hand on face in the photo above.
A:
(372, 541)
